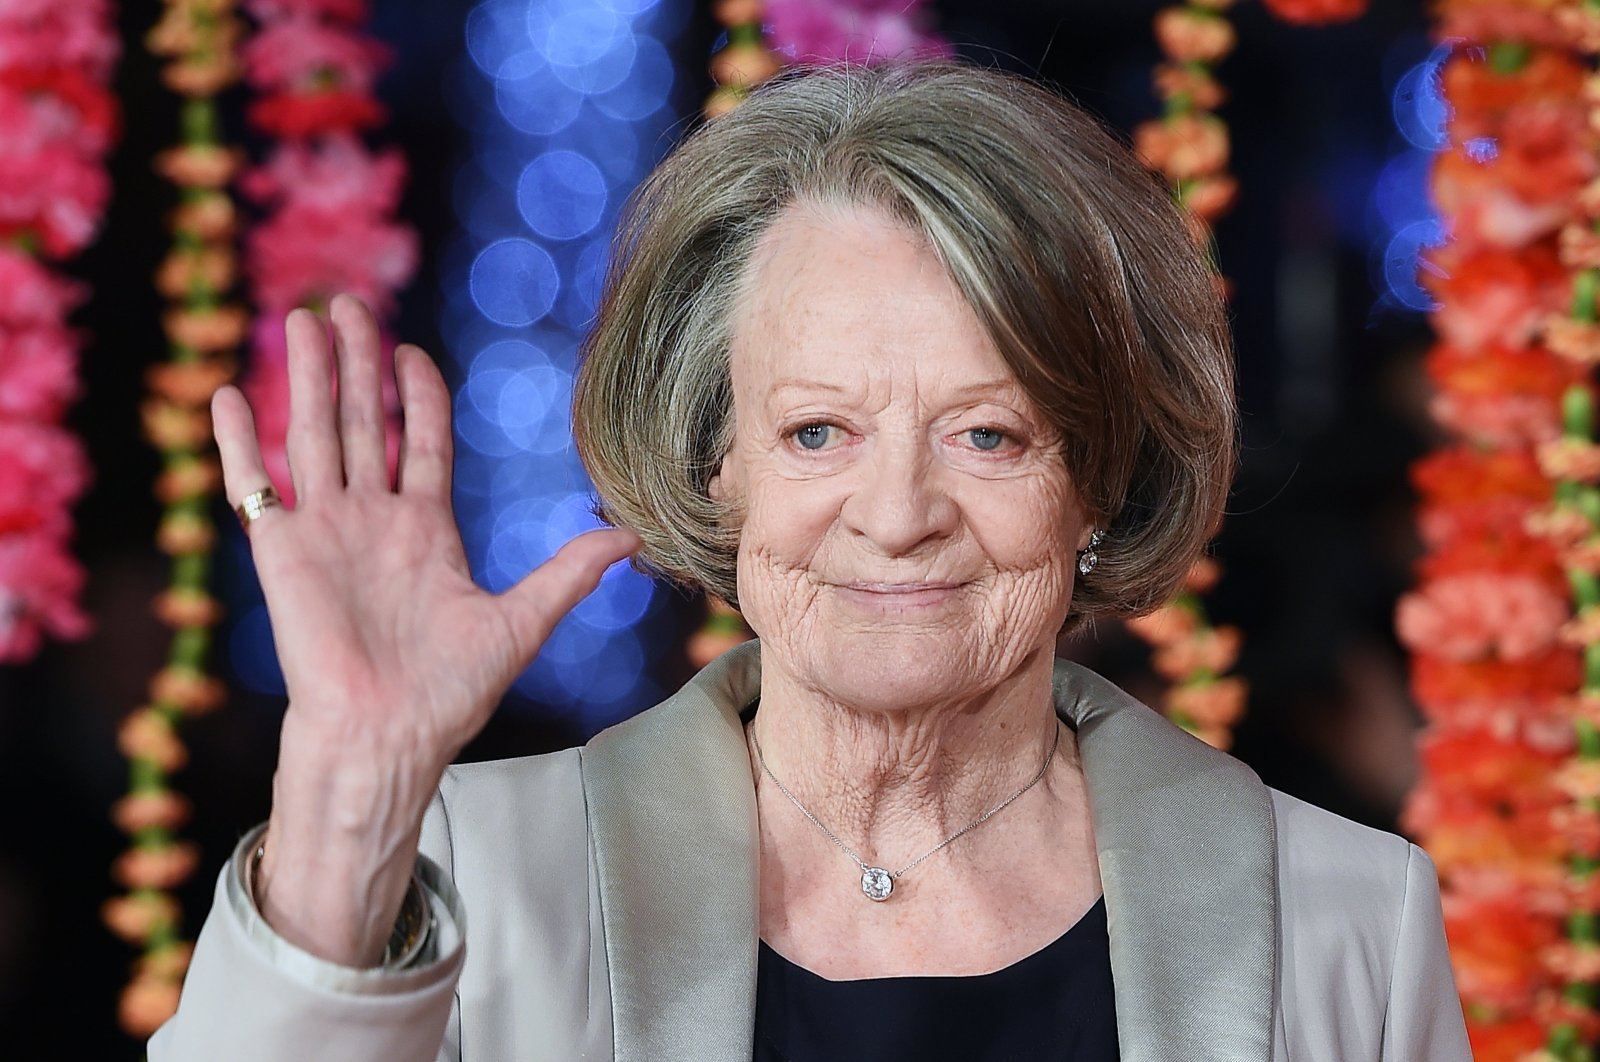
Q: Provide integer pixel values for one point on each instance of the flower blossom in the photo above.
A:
(56, 193)
(43, 469)
(1183, 147)
(39, 587)
(304, 54)
(1492, 295)
(81, 34)
(1188, 36)
(337, 175)
(38, 373)
(296, 259)
(851, 30)
(337, 10)
(1469, 616)
(1317, 12)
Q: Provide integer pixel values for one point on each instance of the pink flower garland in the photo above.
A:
(858, 31)
(329, 199)
(57, 122)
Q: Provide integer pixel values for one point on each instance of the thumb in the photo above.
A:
(536, 604)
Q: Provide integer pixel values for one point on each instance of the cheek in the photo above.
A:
(787, 523)
(1028, 533)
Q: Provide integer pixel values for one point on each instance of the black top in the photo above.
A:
(1053, 1006)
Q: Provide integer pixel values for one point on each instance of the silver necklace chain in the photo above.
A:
(877, 882)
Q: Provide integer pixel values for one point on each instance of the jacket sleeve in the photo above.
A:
(1424, 1021)
(251, 996)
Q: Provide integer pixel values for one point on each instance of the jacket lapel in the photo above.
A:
(1187, 860)
(672, 814)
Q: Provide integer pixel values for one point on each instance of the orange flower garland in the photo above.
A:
(198, 37)
(1572, 528)
(1501, 669)
(1189, 145)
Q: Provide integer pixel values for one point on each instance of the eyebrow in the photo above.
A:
(999, 387)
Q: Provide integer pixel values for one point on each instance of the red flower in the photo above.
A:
(1512, 1039)
(37, 33)
(1491, 21)
(294, 115)
(75, 107)
(334, 175)
(42, 471)
(338, 10)
(1479, 615)
(1464, 475)
(1484, 766)
(831, 31)
(303, 54)
(1498, 396)
(1489, 295)
(39, 587)
(1512, 550)
(1438, 683)
(300, 257)
(38, 373)
(1317, 12)
(55, 194)
(31, 295)
(1494, 946)
(1479, 95)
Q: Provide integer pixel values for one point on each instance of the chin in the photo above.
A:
(895, 669)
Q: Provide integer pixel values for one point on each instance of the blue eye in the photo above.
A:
(813, 436)
(986, 438)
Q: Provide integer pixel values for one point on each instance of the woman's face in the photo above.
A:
(910, 529)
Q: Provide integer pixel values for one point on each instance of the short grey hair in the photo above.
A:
(1073, 256)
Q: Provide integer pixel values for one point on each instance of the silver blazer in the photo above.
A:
(612, 897)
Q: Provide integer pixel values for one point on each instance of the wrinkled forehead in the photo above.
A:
(846, 295)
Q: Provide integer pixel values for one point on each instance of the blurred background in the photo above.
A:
(1331, 134)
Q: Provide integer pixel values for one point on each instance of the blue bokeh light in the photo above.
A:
(1420, 111)
(1404, 220)
(568, 103)
(514, 282)
(647, 87)
(562, 195)
(537, 102)
(497, 36)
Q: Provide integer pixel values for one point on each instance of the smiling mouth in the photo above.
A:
(898, 596)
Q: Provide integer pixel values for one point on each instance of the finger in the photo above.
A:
(550, 591)
(312, 442)
(242, 469)
(356, 348)
(425, 444)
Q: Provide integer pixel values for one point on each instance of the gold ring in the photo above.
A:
(251, 506)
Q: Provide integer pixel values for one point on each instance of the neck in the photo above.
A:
(891, 785)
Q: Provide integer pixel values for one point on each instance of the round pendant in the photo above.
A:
(877, 883)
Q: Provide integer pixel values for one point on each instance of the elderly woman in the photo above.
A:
(922, 369)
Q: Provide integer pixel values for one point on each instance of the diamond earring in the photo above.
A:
(1088, 558)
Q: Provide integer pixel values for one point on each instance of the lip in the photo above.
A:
(898, 596)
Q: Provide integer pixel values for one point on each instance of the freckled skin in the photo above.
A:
(907, 558)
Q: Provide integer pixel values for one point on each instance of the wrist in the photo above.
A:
(341, 843)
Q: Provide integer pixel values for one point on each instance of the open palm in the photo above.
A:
(383, 637)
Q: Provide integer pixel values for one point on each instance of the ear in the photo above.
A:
(717, 488)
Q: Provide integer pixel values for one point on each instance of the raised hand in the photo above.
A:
(392, 656)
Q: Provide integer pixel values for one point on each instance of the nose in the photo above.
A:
(899, 503)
